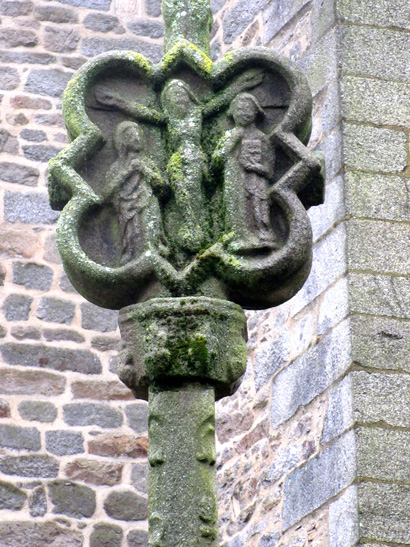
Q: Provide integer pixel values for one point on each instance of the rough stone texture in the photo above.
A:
(119, 445)
(308, 487)
(344, 520)
(139, 477)
(54, 310)
(38, 502)
(64, 443)
(50, 357)
(72, 499)
(37, 411)
(82, 414)
(125, 505)
(137, 417)
(106, 535)
(94, 318)
(15, 534)
(19, 438)
(32, 276)
(11, 497)
(94, 472)
(29, 466)
(16, 307)
(137, 538)
(19, 382)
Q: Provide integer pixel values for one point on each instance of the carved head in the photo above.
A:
(177, 99)
(128, 137)
(245, 108)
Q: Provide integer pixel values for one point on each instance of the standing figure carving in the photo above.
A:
(131, 184)
(248, 160)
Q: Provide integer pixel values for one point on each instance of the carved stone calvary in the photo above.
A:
(184, 194)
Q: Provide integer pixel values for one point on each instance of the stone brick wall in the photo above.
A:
(305, 446)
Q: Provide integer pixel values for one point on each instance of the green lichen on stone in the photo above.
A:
(187, 19)
(182, 500)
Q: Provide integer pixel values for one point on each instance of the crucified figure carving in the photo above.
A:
(182, 116)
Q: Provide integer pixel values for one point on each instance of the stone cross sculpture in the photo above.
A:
(184, 194)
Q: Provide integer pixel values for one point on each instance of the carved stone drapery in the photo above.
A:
(184, 194)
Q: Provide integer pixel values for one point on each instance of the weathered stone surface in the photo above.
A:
(34, 103)
(378, 246)
(344, 520)
(55, 310)
(10, 38)
(30, 208)
(64, 443)
(96, 45)
(381, 398)
(37, 411)
(229, 425)
(334, 306)
(38, 502)
(118, 446)
(11, 497)
(15, 9)
(55, 14)
(103, 23)
(272, 358)
(153, 8)
(103, 5)
(25, 333)
(153, 29)
(61, 40)
(16, 307)
(63, 334)
(378, 53)
(326, 216)
(101, 390)
(381, 343)
(375, 101)
(8, 143)
(375, 149)
(137, 538)
(33, 135)
(277, 14)
(106, 535)
(22, 57)
(15, 534)
(339, 413)
(72, 499)
(4, 409)
(40, 152)
(95, 318)
(385, 13)
(125, 505)
(82, 414)
(366, 196)
(94, 472)
(329, 263)
(19, 438)
(320, 62)
(47, 82)
(32, 276)
(382, 454)
(44, 534)
(9, 78)
(27, 382)
(379, 295)
(139, 477)
(104, 343)
(49, 357)
(285, 460)
(381, 521)
(29, 466)
(239, 17)
(137, 417)
(19, 174)
(308, 487)
(310, 374)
